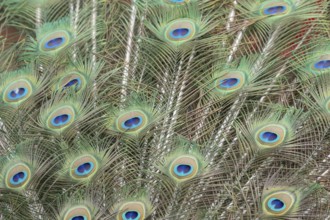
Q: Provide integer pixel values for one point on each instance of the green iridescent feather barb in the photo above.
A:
(164, 109)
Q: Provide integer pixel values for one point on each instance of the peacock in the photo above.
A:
(164, 109)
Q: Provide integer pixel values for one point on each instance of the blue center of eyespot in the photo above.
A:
(268, 137)
(76, 82)
(177, 1)
(229, 82)
(275, 10)
(17, 93)
(61, 120)
(132, 123)
(276, 204)
(323, 64)
(54, 43)
(18, 178)
(183, 169)
(131, 215)
(180, 33)
(84, 169)
(80, 217)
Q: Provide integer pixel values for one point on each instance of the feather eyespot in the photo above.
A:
(274, 10)
(73, 80)
(83, 167)
(230, 81)
(184, 167)
(271, 135)
(268, 137)
(80, 217)
(61, 118)
(180, 30)
(55, 41)
(323, 64)
(176, 1)
(179, 33)
(183, 170)
(17, 91)
(78, 213)
(132, 121)
(278, 203)
(319, 63)
(132, 211)
(131, 215)
(271, 8)
(18, 176)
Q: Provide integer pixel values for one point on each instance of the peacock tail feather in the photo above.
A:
(164, 109)
(18, 86)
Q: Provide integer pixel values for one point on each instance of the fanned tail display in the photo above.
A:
(164, 109)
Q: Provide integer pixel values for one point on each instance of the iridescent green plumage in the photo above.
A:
(78, 76)
(280, 11)
(316, 62)
(319, 101)
(179, 26)
(81, 205)
(55, 39)
(227, 79)
(18, 86)
(184, 163)
(164, 109)
(282, 200)
(136, 206)
(273, 127)
(136, 118)
(61, 115)
(82, 163)
(21, 170)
